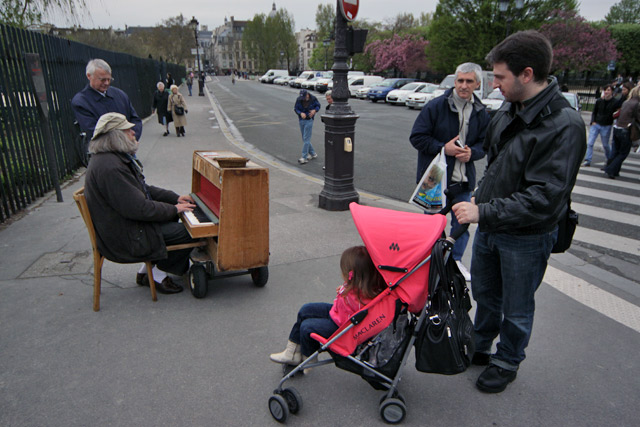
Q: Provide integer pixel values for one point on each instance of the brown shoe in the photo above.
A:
(168, 287)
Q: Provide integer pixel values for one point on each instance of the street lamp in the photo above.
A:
(503, 6)
(281, 58)
(194, 24)
(326, 43)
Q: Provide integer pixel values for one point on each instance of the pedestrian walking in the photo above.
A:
(178, 108)
(160, 103)
(190, 82)
(306, 108)
(624, 132)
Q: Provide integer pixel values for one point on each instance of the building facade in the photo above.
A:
(307, 42)
(228, 53)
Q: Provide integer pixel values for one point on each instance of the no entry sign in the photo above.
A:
(349, 9)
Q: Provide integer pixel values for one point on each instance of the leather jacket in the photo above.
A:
(533, 159)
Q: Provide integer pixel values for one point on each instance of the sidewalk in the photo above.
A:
(186, 362)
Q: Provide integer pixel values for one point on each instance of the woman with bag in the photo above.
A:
(178, 108)
(622, 130)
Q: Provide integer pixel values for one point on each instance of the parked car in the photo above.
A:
(363, 92)
(309, 84)
(493, 101)
(280, 80)
(422, 97)
(271, 75)
(380, 90)
(399, 96)
(573, 99)
(357, 82)
(304, 76)
(486, 85)
(322, 84)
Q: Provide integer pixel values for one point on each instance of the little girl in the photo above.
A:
(362, 282)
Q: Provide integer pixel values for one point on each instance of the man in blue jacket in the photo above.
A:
(99, 98)
(306, 108)
(456, 121)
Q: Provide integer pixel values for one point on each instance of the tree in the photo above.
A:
(25, 13)
(624, 12)
(173, 39)
(466, 30)
(325, 21)
(405, 54)
(577, 45)
(627, 37)
(269, 40)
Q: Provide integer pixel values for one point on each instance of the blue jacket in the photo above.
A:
(88, 105)
(437, 124)
(313, 105)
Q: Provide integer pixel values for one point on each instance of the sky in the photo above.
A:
(121, 13)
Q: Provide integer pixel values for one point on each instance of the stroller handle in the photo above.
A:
(459, 231)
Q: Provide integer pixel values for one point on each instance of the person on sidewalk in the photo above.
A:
(624, 133)
(99, 97)
(457, 121)
(306, 108)
(134, 221)
(329, 97)
(362, 283)
(601, 123)
(178, 108)
(190, 82)
(160, 102)
(535, 144)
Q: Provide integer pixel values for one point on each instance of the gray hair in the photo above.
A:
(97, 63)
(470, 67)
(158, 85)
(328, 93)
(114, 141)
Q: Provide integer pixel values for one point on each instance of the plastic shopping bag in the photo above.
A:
(429, 193)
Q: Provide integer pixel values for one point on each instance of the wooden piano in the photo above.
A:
(232, 195)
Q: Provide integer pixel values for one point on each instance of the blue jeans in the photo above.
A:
(506, 271)
(312, 317)
(461, 244)
(306, 126)
(605, 133)
(619, 152)
(189, 87)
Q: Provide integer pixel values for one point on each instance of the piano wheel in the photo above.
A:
(198, 281)
(259, 275)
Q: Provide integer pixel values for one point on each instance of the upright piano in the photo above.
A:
(232, 198)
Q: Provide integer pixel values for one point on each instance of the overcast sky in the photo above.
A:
(118, 13)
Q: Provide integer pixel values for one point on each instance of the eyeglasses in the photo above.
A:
(106, 80)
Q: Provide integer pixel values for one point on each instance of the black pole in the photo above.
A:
(339, 136)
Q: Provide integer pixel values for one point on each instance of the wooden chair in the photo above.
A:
(98, 258)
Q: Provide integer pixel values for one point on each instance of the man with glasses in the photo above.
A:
(99, 98)
(457, 121)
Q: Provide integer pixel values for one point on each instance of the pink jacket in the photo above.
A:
(344, 306)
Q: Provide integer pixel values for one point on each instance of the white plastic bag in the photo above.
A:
(429, 193)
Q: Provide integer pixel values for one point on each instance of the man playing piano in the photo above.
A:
(134, 222)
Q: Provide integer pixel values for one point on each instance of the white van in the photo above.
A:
(356, 82)
(486, 85)
(303, 77)
(271, 75)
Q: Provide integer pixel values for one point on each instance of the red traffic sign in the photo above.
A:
(349, 9)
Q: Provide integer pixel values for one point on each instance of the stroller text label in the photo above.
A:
(370, 326)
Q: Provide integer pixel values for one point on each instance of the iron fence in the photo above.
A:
(24, 166)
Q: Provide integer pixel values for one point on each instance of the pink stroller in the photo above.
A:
(376, 342)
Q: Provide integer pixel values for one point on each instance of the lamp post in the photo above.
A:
(326, 44)
(503, 6)
(281, 58)
(194, 24)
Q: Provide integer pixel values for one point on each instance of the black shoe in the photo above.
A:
(610, 176)
(481, 359)
(495, 379)
(165, 134)
(141, 279)
(168, 287)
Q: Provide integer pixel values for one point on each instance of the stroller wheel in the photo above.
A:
(278, 408)
(396, 395)
(393, 411)
(293, 398)
(198, 281)
(259, 275)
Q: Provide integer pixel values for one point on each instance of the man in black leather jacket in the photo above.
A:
(534, 147)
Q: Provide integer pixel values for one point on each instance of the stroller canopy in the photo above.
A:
(401, 240)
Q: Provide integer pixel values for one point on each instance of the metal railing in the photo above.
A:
(24, 166)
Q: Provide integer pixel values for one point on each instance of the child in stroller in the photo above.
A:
(362, 282)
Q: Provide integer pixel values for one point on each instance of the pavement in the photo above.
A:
(204, 362)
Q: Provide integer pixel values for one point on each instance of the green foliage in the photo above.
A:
(627, 37)
(624, 12)
(325, 21)
(25, 13)
(265, 38)
(466, 30)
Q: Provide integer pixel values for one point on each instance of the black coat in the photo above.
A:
(126, 219)
(533, 158)
(160, 102)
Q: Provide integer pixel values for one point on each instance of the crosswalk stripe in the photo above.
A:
(599, 300)
(607, 195)
(606, 240)
(613, 215)
(604, 180)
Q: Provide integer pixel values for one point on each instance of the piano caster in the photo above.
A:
(259, 275)
(198, 280)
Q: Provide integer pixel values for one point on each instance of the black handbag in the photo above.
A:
(178, 110)
(445, 341)
(566, 229)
